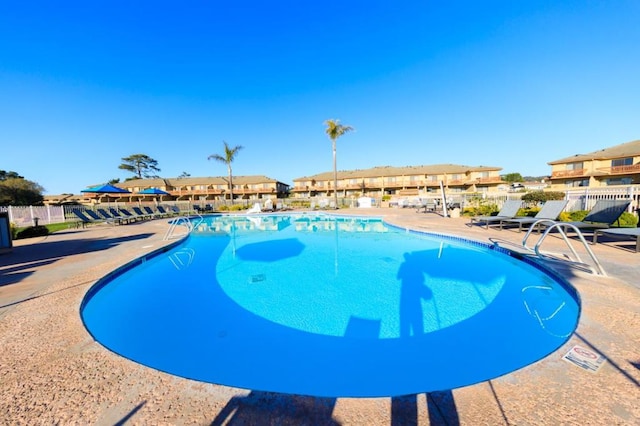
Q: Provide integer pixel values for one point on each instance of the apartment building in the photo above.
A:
(617, 165)
(192, 189)
(403, 181)
(212, 188)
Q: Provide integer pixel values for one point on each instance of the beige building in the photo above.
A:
(617, 165)
(411, 180)
(211, 188)
(186, 189)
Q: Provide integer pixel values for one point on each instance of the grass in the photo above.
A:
(51, 228)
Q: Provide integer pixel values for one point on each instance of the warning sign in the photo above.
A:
(585, 358)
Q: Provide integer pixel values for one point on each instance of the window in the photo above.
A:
(619, 181)
(432, 178)
(576, 183)
(391, 179)
(484, 174)
(622, 162)
(575, 166)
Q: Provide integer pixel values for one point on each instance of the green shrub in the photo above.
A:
(32, 231)
(628, 220)
(565, 217)
(578, 215)
(237, 207)
(223, 208)
(542, 196)
(488, 209)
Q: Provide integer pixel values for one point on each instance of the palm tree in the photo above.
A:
(227, 158)
(334, 130)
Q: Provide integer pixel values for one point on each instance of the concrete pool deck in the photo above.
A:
(53, 372)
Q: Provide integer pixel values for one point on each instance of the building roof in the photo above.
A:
(382, 171)
(187, 181)
(629, 149)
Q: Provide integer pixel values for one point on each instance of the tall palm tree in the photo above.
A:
(227, 158)
(334, 130)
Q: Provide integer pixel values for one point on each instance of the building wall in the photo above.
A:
(595, 173)
(462, 181)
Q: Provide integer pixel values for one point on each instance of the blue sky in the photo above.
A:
(512, 84)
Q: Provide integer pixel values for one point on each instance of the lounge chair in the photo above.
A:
(154, 214)
(126, 213)
(628, 232)
(142, 214)
(550, 211)
(96, 218)
(255, 209)
(108, 216)
(84, 219)
(602, 215)
(165, 212)
(509, 210)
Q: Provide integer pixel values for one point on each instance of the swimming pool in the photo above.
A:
(330, 306)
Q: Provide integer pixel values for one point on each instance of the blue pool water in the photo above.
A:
(330, 306)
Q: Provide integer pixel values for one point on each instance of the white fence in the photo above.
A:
(23, 216)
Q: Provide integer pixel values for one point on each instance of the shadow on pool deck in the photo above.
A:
(54, 372)
(15, 265)
(270, 408)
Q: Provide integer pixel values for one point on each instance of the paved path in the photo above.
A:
(52, 372)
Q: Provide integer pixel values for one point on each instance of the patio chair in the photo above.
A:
(602, 215)
(164, 212)
(255, 209)
(84, 219)
(550, 211)
(107, 216)
(150, 211)
(623, 232)
(509, 210)
(96, 218)
(142, 214)
(131, 216)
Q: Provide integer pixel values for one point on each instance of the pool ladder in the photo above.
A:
(186, 222)
(561, 228)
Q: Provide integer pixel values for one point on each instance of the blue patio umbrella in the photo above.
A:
(153, 191)
(106, 189)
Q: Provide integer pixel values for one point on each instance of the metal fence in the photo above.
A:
(579, 199)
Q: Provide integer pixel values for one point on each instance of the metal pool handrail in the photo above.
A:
(560, 226)
(182, 220)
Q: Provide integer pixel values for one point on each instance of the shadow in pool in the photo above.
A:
(412, 276)
(270, 251)
(270, 408)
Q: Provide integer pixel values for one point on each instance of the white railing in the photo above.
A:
(23, 216)
(586, 198)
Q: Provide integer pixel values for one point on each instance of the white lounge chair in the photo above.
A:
(255, 209)
(509, 210)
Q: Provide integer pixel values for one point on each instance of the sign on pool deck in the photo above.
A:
(585, 358)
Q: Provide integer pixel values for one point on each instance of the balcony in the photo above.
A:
(621, 170)
(568, 173)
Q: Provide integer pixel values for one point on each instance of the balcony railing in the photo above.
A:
(621, 170)
(568, 173)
